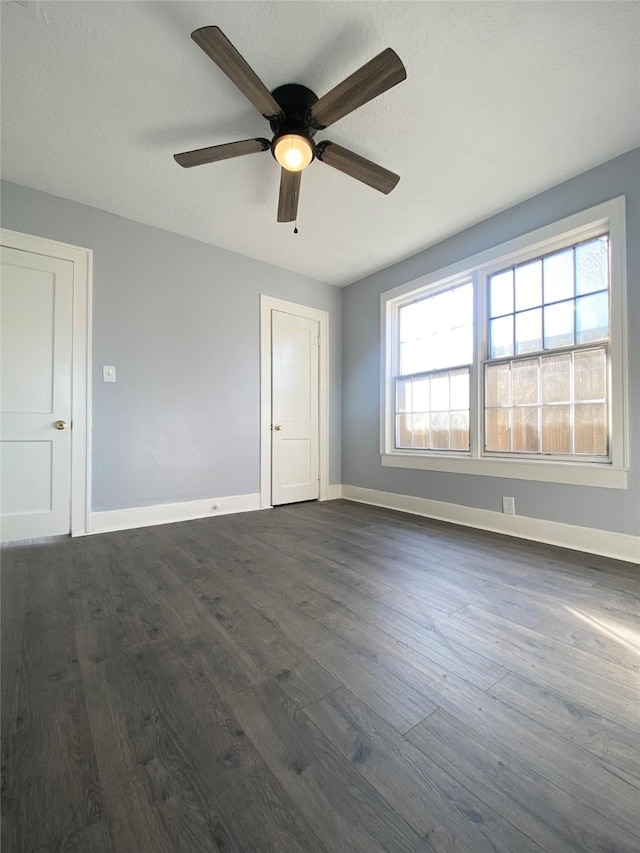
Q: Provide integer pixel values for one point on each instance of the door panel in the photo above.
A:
(36, 304)
(295, 387)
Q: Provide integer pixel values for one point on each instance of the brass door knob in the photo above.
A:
(278, 427)
(60, 424)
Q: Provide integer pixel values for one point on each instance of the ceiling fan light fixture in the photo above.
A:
(293, 151)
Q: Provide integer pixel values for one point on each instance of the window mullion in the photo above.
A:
(476, 381)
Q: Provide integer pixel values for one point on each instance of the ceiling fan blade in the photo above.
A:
(357, 167)
(218, 48)
(221, 152)
(377, 76)
(289, 195)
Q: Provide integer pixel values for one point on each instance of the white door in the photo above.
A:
(36, 318)
(294, 407)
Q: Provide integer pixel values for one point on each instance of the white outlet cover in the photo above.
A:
(108, 373)
(509, 506)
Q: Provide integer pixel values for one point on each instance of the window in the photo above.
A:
(513, 363)
(549, 404)
(435, 355)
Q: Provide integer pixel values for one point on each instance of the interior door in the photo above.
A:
(36, 317)
(294, 408)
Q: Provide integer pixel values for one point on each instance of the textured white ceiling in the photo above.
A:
(502, 101)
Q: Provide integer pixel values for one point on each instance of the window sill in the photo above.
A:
(573, 473)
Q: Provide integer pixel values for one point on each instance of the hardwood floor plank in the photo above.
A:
(581, 678)
(90, 839)
(245, 809)
(544, 812)
(441, 810)
(156, 791)
(315, 568)
(402, 704)
(617, 745)
(395, 699)
(381, 639)
(48, 566)
(605, 639)
(609, 603)
(553, 757)
(50, 779)
(494, 598)
(271, 652)
(15, 565)
(541, 644)
(336, 801)
(119, 711)
(89, 583)
(139, 615)
(610, 791)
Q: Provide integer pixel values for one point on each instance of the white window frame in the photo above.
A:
(611, 472)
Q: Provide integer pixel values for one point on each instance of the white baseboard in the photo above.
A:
(145, 516)
(334, 492)
(621, 546)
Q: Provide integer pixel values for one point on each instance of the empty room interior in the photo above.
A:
(320, 426)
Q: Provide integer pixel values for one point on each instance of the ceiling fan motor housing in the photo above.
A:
(296, 102)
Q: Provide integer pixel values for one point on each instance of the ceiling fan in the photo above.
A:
(296, 114)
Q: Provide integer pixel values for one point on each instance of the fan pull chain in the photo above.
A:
(295, 226)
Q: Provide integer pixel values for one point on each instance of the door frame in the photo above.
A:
(82, 260)
(267, 305)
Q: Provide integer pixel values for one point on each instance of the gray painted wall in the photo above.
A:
(180, 321)
(607, 509)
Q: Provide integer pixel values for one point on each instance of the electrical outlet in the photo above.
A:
(509, 506)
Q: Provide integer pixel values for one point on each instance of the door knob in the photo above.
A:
(60, 424)
(278, 427)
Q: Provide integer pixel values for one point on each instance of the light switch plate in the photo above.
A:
(108, 373)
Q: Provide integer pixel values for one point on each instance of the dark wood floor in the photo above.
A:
(321, 677)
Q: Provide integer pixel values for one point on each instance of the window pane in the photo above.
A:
(501, 293)
(558, 325)
(412, 320)
(459, 431)
(558, 276)
(440, 430)
(437, 331)
(421, 431)
(524, 381)
(440, 393)
(421, 395)
(556, 379)
(529, 331)
(590, 372)
(592, 318)
(462, 345)
(497, 379)
(440, 313)
(459, 389)
(416, 398)
(592, 266)
(455, 346)
(403, 395)
(403, 431)
(410, 355)
(556, 429)
(498, 434)
(591, 429)
(529, 285)
(525, 429)
(502, 337)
